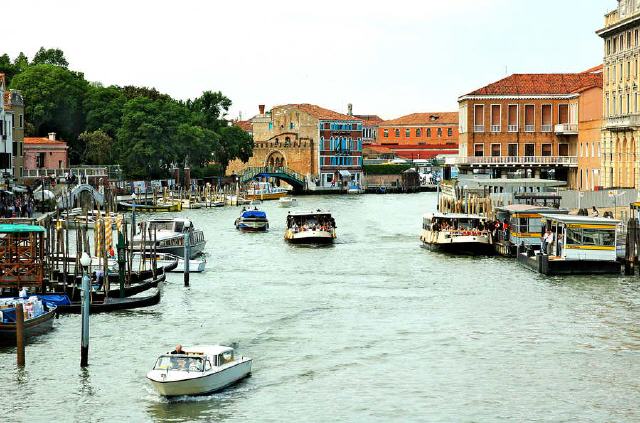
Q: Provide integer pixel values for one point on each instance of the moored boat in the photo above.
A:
(166, 261)
(287, 202)
(169, 237)
(252, 221)
(265, 191)
(171, 207)
(456, 233)
(38, 315)
(199, 370)
(313, 227)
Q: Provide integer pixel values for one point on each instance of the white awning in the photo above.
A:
(345, 173)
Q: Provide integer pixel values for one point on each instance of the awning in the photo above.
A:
(345, 173)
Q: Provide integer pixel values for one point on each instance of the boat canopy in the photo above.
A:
(527, 208)
(310, 213)
(453, 216)
(254, 214)
(8, 228)
(580, 220)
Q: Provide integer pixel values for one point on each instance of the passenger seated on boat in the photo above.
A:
(178, 350)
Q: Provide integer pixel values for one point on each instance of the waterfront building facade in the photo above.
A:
(14, 107)
(421, 135)
(323, 145)
(45, 153)
(6, 133)
(621, 122)
(370, 124)
(527, 125)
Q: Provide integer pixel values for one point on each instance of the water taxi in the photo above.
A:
(252, 221)
(457, 233)
(169, 237)
(200, 370)
(314, 227)
(287, 202)
(524, 227)
(265, 191)
(577, 245)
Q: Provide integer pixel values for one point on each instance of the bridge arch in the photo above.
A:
(276, 158)
(69, 200)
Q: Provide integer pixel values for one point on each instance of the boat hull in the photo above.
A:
(309, 237)
(479, 243)
(32, 327)
(252, 225)
(266, 196)
(150, 209)
(201, 385)
(113, 304)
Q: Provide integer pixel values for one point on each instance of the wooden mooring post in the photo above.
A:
(630, 255)
(187, 256)
(20, 334)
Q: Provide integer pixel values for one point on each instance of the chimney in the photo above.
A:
(350, 109)
(261, 109)
(52, 136)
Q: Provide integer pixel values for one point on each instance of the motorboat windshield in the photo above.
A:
(180, 362)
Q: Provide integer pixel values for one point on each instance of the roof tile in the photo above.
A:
(446, 118)
(541, 84)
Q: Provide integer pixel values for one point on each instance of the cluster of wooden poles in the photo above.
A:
(471, 205)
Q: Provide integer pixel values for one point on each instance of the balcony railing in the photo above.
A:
(515, 160)
(478, 128)
(611, 18)
(529, 128)
(495, 128)
(623, 122)
(97, 172)
(513, 128)
(546, 128)
(567, 129)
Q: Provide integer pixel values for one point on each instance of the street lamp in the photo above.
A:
(85, 261)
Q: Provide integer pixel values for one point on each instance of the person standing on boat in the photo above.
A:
(596, 213)
(178, 350)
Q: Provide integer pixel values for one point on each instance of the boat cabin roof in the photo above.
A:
(186, 222)
(453, 216)
(207, 349)
(310, 213)
(580, 219)
(9, 228)
(515, 208)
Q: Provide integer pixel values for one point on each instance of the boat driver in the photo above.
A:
(178, 350)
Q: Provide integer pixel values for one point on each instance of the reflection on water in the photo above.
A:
(373, 328)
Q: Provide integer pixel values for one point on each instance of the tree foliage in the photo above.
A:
(50, 56)
(99, 147)
(235, 143)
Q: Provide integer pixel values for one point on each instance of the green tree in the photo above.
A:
(7, 67)
(210, 109)
(53, 102)
(131, 92)
(21, 62)
(103, 108)
(234, 143)
(50, 56)
(98, 147)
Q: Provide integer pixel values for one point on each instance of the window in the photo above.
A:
(628, 70)
(512, 118)
(385, 133)
(439, 132)
(495, 118)
(495, 150)
(598, 237)
(478, 150)
(615, 45)
(563, 150)
(547, 122)
(635, 43)
(629, 39)
(270, 126)
(529, 118)
(478, 118)
(609, 45)
(563, 113)
(397, 133)
(512, 150)
(326, 125)
(21, 120)
(546, 150)
(429, 132)
(407, 133)
(449, 132)
(621, 75)
(529, 150)
(418, 132)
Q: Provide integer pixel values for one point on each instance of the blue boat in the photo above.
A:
(252, 221)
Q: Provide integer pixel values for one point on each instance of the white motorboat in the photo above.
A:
(169, 235)
(314, 227)
(456, 232)
(200, 370)
(287, 202)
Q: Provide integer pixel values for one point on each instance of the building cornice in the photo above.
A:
(619, 26)
(520, 97)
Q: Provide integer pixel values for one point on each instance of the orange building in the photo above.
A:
(527, 125)
(420, 135)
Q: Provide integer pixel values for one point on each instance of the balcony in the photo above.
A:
(569, 161)
(622, 123)
(611, 18)
(495, 128)
(478, 128)
(529, 128)
(546, 128)
(567, 129)
(512, 128)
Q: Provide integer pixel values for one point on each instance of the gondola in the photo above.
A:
(112, 304)
(174, 207)
(32, 327)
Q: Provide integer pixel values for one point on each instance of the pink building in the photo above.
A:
(45, 153)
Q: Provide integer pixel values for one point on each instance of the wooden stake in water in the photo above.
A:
(187, 256)
(86, 294)
(20, 334)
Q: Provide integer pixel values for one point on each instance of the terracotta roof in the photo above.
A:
(541, 84)
(319, 112)
(370, 119)
(244, 124)
(596, 69)
(42, 141)
(377, 149)
(446, 118)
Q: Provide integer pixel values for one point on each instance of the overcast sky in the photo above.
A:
(386, 57)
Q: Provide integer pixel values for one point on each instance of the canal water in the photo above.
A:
(374, 328)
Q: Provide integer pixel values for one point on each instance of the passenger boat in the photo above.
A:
(524, 227)
(169, 234)
(313, 227)
(200, 370)
(38, 315)
(265, 191)
(170, 207)
(287, 202)
(579, 245)
(165, 261)
(456, 233)
(252, 221)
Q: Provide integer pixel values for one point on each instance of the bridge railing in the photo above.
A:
(252, 172)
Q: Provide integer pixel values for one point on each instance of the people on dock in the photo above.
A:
(595, 212)
(16, 204)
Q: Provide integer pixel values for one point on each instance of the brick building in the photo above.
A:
(370, 124)
(14, 108)
(323, 145)
(621, 126)
(421, 135)
(45, 153)
(527, 125)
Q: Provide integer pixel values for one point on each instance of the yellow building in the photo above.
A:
(621, 122)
